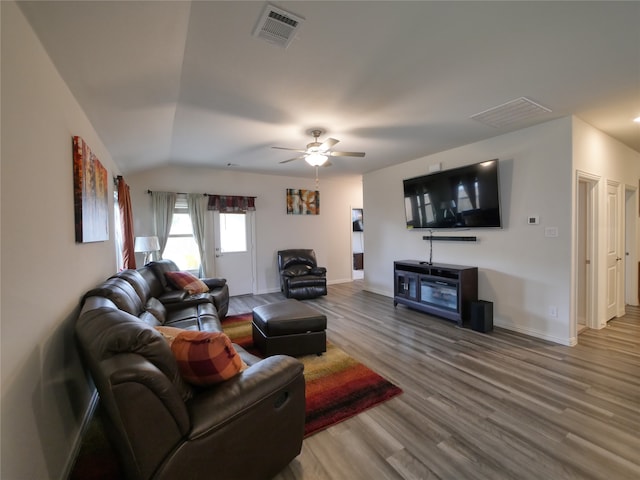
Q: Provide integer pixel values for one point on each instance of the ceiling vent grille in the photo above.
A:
(510, 113)
(277, 26)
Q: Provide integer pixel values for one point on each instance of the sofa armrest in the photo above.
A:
(277, 380)
(213, 283)
(172, 296)
(129, 368)
(144, 409)
(320, 271)
(248, 427)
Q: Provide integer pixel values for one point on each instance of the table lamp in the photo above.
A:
(146, 245)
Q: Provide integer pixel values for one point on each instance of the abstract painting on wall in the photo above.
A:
(303, 202)
(91, 195)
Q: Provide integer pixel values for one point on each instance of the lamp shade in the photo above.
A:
(316, 159)
(146, 244)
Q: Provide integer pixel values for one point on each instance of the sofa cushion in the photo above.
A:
(186, 281)
(205, 358)
(157, 309)
(201, 316)
(149, 319)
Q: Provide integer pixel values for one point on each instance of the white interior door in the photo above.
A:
(234, 251)
(613, 250)
(631, 247)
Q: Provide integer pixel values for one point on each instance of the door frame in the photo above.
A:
(250, 218)
(592, 183)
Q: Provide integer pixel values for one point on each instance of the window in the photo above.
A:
(181, 246)
(428, 208)
(424, 208)
(233, 232)
(464, 202)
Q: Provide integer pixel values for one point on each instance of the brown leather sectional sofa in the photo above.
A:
(248, 427)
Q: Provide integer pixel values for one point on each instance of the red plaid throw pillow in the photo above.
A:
(186, 281)
(205, 358)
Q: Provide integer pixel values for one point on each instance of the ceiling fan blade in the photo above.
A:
(291, 159)
(347, 154)
(291, 149)
(327, 144)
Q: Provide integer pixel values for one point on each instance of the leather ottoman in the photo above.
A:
(289, 328)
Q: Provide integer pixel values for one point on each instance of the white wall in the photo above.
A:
(44, 272)
(329, 233)
(520, 270)
(605, 158)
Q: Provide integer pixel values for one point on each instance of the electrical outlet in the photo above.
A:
(553, 311)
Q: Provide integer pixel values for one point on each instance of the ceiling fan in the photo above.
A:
(317, 153)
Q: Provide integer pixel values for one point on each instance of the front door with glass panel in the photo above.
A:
(234, 253)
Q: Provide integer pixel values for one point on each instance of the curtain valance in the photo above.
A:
(231, 203)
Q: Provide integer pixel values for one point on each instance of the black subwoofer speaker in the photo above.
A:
(482, 316)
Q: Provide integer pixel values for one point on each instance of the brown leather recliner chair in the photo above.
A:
(300, 276)
(250, 426)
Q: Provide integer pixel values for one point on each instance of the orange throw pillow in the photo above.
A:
(186, 281)
(206, 358)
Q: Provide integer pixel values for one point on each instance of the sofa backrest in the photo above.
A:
(138, 282)
(159, 268)
(104, 330)
(121, 293)
(155, 286)
(299, 256)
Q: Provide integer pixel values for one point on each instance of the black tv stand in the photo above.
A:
(439, 289)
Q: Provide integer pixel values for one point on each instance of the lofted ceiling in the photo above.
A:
(186, 83)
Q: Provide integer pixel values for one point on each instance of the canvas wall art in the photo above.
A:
(303, 202)
(91, 194)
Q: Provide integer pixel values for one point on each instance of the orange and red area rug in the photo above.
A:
(337, 388)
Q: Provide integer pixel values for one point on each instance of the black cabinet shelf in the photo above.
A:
(443, 290)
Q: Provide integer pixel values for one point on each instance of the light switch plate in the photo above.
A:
(551, 232)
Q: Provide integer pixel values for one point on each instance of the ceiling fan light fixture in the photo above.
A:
(316, 159)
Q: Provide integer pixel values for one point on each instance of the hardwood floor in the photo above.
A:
(493, 406)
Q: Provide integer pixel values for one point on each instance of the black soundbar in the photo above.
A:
(450, 239)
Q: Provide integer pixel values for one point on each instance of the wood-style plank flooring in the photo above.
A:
(492, 406)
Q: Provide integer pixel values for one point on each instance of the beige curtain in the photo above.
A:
(163, 205)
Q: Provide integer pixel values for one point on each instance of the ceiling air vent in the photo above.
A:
(510, 113)
(277, 26)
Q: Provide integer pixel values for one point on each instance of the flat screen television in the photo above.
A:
(464, 197)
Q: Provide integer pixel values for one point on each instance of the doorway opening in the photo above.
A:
(357, 243)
